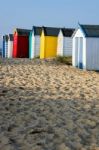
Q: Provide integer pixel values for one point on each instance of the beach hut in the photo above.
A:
(34, 42)
(21, 43)
(5, 46)
(64, 45)
(86, 47)
(0, 52)
(48, 43)
(10, 45)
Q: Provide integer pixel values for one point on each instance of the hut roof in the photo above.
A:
(51, 31)
(23, 31)
(37, 30)
(10, 37)
(67, 32)
(90, 30)
(5, 37)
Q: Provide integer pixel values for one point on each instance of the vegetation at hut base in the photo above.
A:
(64, 59)
(37, 57)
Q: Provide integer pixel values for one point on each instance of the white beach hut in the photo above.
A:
(34, 42)
(10, 45)
(64, 45)
(5, 46)
(85, 53)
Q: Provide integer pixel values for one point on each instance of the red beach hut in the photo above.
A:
(21, 43)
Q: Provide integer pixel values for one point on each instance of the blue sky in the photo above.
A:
(63, 13)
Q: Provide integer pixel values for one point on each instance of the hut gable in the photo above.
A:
(78, 33)
(60, 44)
(60, 33)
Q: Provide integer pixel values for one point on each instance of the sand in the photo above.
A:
(46, 105)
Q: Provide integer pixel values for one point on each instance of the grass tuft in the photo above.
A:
(37, 57)
(64, 59)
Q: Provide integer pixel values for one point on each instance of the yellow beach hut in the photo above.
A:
(48, 42)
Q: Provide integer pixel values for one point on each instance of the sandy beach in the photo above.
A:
(47, 105)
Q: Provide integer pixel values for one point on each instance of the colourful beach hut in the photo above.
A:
(48, 43)
(10, 45)
(86, 47)
(64, 45)
(34, 42)
(5, 46)
(21, 43)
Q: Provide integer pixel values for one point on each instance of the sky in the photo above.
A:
(59, 13)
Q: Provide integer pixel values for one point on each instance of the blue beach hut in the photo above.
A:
(5, 46)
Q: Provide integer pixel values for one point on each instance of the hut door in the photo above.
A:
(6, 50)
(76, 51)
(80, 53)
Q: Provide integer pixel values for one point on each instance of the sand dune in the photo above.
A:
(46, 105)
